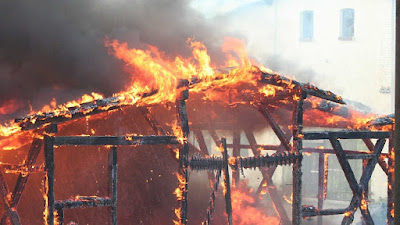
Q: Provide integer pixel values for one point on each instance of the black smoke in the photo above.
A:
(55, 49)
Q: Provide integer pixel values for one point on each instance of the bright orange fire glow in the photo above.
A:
(244, 210)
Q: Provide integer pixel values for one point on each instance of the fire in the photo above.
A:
(10, 106)
(245, 210)
(288, 199)
(178, 216)
(325, 184)
(270, 90)
(176, 151)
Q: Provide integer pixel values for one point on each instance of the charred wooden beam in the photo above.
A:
(268, 161)
(183, 151)
(275, 127)
(321, 182)
(208, 163)
(84, 202)
(390, 187)
(113, 182)
(115, 140)
(235, 153)
(211, 202)
(23, 178)
(21, 169)
(278, 80)
(227, 185)
(323, 212)
(358, 188)
(276, 198)
(5, 195)
(346, 134)
(297, 167)
(49, 179)
(262, 147)
(381, 161)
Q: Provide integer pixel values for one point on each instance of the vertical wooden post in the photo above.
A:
(321, 178)
(396, 138)
(228, 201)
(297, 148)
(113, 172)
(390, 177)
(49, 179)
(183, 151)
(235, 153)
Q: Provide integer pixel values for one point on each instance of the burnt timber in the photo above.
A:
(287, 153)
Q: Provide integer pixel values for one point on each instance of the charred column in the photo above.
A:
(183, 151)
(297, 148)
(235, 153)
(49, 179)
(227, 185)
(321, 184)
(390, 191)
(113, 169)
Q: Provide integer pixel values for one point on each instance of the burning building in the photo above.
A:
(173, 107)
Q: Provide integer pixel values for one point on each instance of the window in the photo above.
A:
(306, 25)
(346, 24)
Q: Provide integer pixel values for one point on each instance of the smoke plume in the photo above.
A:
(56, 49)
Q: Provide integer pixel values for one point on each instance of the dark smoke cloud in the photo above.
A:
(56, 48)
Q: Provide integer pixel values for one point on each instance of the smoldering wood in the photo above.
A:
(198, 163)
(235, 153)
(358, 188)
(276, 197)
(21, 169)
(297, 167)
(275, 127)
(390, 186)
(278, 80)
(228, 201)
(324, 212)
(259, 146)
(49, 178)
(157, 128)
(183, 151)
(321, 178)
(115, 140)
(381, 161)
(9, 211)
(346, 134)
(84, 202)
(33, 153)
(211, 202)
(60, 215)
(113, 182)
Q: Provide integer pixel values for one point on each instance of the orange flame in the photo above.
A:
(245, 212)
